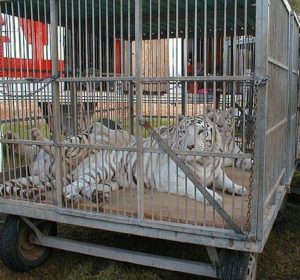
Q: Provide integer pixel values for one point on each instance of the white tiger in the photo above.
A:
(224, 122)
(108, 169)
(190, 133)
(41, 159)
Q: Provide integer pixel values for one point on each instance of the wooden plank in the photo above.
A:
(179, 209)
(167, 207)
(155, 63)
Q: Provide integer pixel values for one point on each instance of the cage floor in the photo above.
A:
(169, 207)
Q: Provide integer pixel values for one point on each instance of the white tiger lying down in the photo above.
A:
(190, 133)
(107, 169)
(224, 123)
(41, 159)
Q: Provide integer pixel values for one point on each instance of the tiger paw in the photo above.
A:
(244, 191)
(72, 197)
(99, 197)
(244, 163)
(238, 190)
(30, 193)
(216, 197)
(248, 163)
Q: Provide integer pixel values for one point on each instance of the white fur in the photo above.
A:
(106, 170)
(224, 122)
(105, 166)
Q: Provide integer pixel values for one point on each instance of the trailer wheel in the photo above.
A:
(238, 265)
(16, 250)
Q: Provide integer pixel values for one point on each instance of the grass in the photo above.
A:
(280, 259)
(281, 256)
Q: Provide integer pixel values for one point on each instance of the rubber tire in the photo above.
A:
(234, 265)
(10, 244)
(282, 211)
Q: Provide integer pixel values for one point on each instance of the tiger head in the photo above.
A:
(195, 133)
(223, 120)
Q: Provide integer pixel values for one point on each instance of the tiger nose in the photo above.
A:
(190, 147)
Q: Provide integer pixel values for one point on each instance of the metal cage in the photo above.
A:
(162, 118)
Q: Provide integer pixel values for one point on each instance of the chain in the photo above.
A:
(251, 179)
(258, 82)
(46, 81)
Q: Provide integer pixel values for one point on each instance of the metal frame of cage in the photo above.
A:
(272, 171)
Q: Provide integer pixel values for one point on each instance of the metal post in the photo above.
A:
(183, 69)
(73, 90)
(298, 105)
(131, 108)
(261, 62)
(55, 99)
(232, 53)
(289, 97)
(139, 132)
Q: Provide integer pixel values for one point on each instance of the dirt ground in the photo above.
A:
(280, 259)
